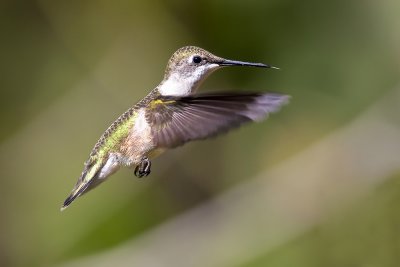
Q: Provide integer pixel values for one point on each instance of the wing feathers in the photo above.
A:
(176, 121)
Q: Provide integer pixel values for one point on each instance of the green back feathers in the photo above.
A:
(108, 142)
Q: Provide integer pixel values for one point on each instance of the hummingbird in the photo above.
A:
(171, 115)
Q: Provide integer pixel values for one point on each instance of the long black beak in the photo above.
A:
(227, 62)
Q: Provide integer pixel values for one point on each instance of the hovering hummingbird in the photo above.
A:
(172, 115)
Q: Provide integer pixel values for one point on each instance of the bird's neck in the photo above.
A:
(177, 85)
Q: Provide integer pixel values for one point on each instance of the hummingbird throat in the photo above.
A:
(184, 83)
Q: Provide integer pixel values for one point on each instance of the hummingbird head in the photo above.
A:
(190, 65)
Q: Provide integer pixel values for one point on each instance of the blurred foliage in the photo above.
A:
(69, 68)
(364, 235)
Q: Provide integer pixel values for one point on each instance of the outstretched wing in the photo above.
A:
(177, 120)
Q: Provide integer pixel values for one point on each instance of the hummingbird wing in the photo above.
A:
(177, 120)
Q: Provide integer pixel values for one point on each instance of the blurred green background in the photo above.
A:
(318, 184)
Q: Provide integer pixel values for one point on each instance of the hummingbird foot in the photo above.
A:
(143, 169)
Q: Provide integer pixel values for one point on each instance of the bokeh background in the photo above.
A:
(318, 184)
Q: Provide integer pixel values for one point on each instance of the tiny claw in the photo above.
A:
(144, 168)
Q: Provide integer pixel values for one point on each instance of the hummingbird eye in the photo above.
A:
(196, 59)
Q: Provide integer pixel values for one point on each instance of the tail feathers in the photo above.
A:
(88, 180)
(76, 193)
